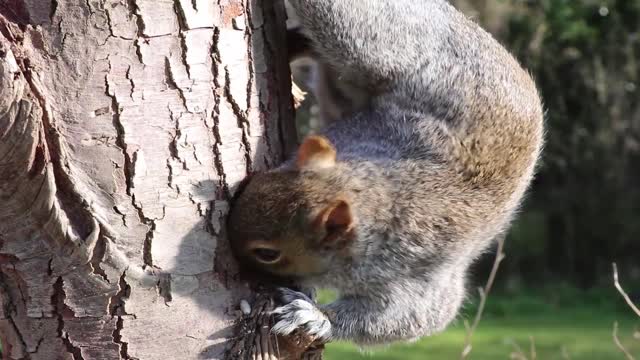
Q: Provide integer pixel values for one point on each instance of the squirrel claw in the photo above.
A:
(300, 313)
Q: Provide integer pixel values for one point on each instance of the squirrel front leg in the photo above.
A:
(399, 311)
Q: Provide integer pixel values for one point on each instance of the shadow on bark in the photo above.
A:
(252, 339)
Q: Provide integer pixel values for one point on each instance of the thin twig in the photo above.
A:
(616, 340)
(533, 348)
(517, 354)
(622, 292)
(484, 293)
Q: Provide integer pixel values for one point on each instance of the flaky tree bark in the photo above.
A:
(125, 128)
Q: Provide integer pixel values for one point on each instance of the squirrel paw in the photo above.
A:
(300, 312)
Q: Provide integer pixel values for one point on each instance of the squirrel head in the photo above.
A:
(293, 222)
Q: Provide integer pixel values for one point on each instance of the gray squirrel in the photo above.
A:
(391, 205)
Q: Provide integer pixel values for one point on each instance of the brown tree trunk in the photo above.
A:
(125, 128)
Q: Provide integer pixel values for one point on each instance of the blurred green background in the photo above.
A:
(583, 210)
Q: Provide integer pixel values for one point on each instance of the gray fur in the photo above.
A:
(434, 167)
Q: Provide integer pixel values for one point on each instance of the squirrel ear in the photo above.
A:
(316, 152)
(336, 220)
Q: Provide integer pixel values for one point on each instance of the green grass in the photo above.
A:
(578, 322)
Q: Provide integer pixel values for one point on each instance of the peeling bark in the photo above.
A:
(125, 129)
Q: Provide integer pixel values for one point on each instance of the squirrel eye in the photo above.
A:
(266, 255)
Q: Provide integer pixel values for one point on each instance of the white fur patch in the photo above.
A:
(301, 314)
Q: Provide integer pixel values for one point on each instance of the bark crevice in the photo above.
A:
(18, 334)
(117, 310)
(117, 339)
(242, 119)
(7, 311)
(215, 66)
(61, 310)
